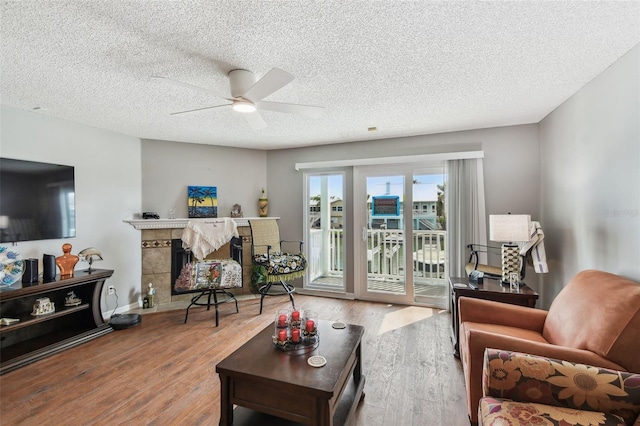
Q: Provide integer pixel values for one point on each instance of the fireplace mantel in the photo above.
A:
(156, 237)
(181, 223)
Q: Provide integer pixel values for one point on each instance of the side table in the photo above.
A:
(490, 289)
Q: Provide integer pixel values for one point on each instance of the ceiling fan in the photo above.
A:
(247, 95)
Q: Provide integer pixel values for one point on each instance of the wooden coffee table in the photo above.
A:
(264, 379)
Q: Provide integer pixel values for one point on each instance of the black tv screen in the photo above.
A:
(37, 201)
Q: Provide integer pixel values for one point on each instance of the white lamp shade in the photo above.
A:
(509, 227)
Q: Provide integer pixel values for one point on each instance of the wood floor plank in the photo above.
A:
(163, 371)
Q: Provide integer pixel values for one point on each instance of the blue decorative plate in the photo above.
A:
(11, 266)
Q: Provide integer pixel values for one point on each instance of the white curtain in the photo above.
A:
(465, 211)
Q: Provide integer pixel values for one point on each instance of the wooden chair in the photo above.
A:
(280, 266)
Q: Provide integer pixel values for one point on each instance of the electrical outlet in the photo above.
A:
(111, 290)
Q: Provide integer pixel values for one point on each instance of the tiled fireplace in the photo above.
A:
(156, 237)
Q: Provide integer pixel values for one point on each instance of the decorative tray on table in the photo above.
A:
(301, 347)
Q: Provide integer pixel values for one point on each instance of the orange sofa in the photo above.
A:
(594, 320)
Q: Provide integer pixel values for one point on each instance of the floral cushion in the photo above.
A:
(547, 391)
(280, 265)
(503, 412)
(207, 274)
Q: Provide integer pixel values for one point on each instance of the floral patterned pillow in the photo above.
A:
(539, 380)
(280, 263)
(503, 412)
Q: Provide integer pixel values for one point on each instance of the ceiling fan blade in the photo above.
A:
(269, 83)
(198, 109)
(190, 86)
(308, 110)
(255, 120)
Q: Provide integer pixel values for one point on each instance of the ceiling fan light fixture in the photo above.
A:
(241, 105)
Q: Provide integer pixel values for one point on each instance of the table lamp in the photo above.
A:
(509, 229)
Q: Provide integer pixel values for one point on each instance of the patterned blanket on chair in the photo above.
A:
(223, 273)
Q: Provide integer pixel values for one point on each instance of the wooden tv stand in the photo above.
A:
(36, 337)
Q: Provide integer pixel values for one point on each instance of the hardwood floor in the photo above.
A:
(162, 372)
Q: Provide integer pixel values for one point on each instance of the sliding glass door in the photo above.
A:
(380, 197)
(400, 237)
(324, 233)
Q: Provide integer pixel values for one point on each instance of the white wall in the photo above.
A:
(169, 167)
(511, 172)
(590, 171)
(107, 179)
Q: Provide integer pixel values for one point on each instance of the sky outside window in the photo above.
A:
(335, 183)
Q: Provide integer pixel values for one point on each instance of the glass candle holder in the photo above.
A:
(282, 336)
(296, 318)
(295, 335)
(282, 320)
(310, 325)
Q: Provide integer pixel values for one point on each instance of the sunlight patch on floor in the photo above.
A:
(403, 317)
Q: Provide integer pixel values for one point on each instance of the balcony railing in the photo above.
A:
(385, 255)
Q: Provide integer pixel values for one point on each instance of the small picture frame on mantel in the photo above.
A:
(236, 210)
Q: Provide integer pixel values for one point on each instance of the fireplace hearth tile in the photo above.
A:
(156, 234)
(156, 260)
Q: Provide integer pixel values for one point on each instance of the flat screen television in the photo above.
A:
(37, 201)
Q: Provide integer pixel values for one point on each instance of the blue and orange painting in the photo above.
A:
(203, 201)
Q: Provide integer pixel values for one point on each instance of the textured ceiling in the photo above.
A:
(406, 68)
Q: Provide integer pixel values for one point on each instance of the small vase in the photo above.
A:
(263, 205)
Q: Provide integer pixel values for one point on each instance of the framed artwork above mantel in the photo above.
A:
(202, 201)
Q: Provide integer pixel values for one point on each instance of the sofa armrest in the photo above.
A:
(490, 312)
(473, 343)
(537, 379)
